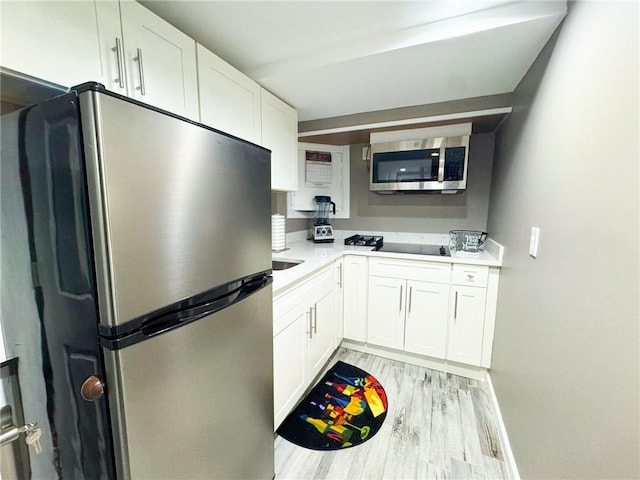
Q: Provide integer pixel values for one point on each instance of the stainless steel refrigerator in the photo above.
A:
(136, 290)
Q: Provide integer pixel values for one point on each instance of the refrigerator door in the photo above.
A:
(176, 208)
(197, 402)
(48, 309)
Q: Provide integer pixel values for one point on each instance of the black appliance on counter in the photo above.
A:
(365, 241)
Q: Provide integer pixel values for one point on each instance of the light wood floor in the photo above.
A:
(438, 426)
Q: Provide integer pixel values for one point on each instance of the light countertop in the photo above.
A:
(318, 255)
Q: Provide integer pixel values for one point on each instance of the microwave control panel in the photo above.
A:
(454, 163)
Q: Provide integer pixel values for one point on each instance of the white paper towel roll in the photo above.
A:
(278, 236)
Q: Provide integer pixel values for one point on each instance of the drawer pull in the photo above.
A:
(401, 297)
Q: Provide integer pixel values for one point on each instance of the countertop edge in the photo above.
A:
(318, 256)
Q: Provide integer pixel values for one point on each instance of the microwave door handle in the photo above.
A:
(441, 165)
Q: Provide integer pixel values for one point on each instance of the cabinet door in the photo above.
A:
(280, 135)
(355, 298)
(322, 336)
(160, 61)
(229, 100)
(386, 307)
(466, 327)
(63, 42)
(427, 316)
(338, 300)
(289, 362)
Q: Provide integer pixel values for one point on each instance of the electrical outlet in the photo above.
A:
(533, 241)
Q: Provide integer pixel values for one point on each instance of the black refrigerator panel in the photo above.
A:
(49, 314)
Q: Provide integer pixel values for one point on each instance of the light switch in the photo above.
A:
(533, 241)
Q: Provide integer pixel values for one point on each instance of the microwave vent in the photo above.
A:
(457, 130)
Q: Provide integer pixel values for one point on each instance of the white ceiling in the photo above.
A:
(332, 58)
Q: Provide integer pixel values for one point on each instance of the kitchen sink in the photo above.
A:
(284, 264)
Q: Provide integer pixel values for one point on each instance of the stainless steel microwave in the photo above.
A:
(433, 165)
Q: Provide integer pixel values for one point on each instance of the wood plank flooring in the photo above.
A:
(439, 426)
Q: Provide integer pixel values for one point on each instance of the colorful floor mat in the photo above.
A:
(345, 408)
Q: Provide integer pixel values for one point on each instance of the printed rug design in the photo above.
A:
(345, 408)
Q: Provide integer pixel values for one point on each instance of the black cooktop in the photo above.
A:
(416, 248)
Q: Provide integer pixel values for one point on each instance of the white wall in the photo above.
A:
(566, 350)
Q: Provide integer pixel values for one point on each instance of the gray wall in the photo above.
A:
(566, 350)
(432, 213)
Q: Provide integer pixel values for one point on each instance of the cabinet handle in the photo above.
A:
(310, 332)
(315, 318)
(340, 277)
(455, 309)
(138, 59)
(119, 62)
(410, 295)
(401, 297)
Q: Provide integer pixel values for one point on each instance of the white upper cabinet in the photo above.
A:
(322, 170)
(122, 45)
(229, 100)
(66, 43)
(160, 61)
(280, 135)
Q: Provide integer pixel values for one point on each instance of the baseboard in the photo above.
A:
(476, 373)
(504, 438)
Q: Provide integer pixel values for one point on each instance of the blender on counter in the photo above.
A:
(322, 231)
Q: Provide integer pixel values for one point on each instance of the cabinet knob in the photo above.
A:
(92, 388)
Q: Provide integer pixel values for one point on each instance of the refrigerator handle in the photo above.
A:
(175, 318)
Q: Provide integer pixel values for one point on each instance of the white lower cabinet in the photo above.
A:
(290, 367)
(408, 315)
(441, 310)
(408, 303)
(338, 296)
(321, 333)
(426, 321)
(386, 312)
(467, 314)
(304, 338)
(355, 279)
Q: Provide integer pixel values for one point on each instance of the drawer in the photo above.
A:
(470, 275)
(303, 293)
(410, 269)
